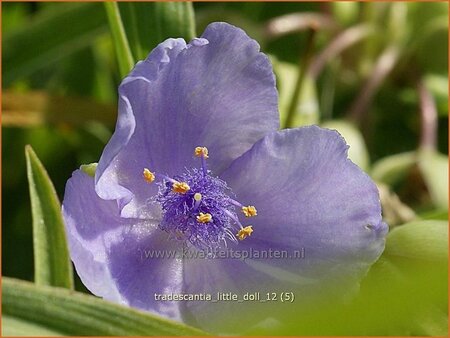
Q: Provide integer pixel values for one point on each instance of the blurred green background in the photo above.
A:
(377, 72)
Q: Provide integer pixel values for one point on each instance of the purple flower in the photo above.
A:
(197, 163)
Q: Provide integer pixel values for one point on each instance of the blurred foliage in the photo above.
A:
(404, 294)
(378, 73)
(52, 265)
(146, 26)
(30, 309)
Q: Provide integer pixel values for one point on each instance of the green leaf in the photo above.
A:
(89, 168)
(13, 16)
(131, 16)
(434, 168)
(405, 293)
(436, 214)
(358, 151)
(433, 322)
(307, 111)
(345, 12)
(52, 265)
(428, 23)
(78, 314)
(51, 36)
(408, 286)
(425, 240)
(432, 165)
(395, 212)
(123, 52)
(150, 23)
(393, 168)
(437, 85)
(12, 326)
(174, 19)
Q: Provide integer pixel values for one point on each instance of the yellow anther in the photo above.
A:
(148, 175)
(204, 218)
(197, 196)
(249, 211)
(201, 151)
(245, 232)
(180, 187)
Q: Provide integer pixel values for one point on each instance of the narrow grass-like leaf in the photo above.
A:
(174, 19)
(123, 52)
(51, 35)
(14, 327)
(148, 24)
(307, 111)
(52, 265)
(131, 16)
(78, 314)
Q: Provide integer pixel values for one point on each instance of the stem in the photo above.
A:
(428, 114)
(343, 41)
(329, 88)
(303, 69)
(381, 70)
(129, 12)
(124, 56)
(368, 16)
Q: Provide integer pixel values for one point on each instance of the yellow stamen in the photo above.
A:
(197, 196)
(201, 151)
(148, 175)
(204, 218)
(244, 233)
(180, 187)
(249, 211)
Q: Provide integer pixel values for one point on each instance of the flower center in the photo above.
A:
(197, 206)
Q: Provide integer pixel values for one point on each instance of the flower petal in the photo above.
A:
(219, 92)
(224, 276)
(143, 263)
(109, 252)
(89, 222)
(311, 199)
(256, 285)
(124, 158)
